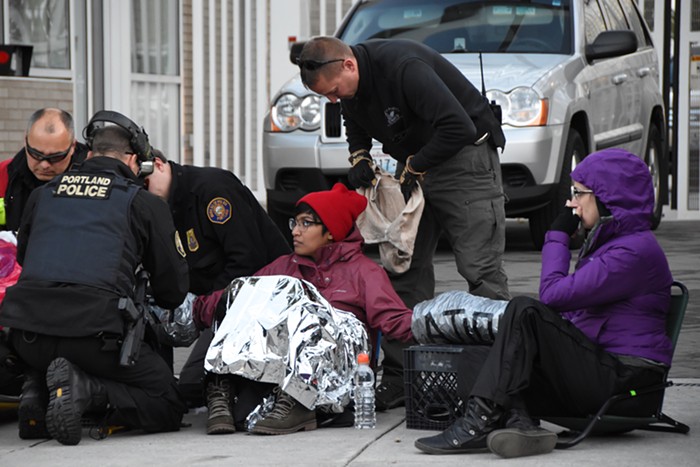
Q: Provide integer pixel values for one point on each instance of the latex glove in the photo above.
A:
(361, 174)
(566, 222)
(206, 308)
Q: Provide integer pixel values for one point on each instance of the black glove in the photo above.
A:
(566, 222)
(407, 181)
(361, 174)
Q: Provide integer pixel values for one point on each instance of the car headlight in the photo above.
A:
(521, 107)
(290, 112)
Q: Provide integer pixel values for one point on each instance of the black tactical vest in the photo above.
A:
(80, 232)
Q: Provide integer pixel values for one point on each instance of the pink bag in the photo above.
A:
(9, 268)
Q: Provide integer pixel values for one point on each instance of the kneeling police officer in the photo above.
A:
(81, 240)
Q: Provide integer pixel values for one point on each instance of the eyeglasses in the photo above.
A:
(303, 224)
(50, 158)
(312, 65)
(576, 193)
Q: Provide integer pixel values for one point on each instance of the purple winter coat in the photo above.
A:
(352, 282)
(620, 291)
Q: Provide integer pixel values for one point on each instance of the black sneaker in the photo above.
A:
(522, 436)
(389, 395)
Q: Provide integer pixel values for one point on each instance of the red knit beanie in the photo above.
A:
(338, 208)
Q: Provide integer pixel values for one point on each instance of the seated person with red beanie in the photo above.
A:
(328, 254)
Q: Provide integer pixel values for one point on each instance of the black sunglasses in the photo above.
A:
(50, 158)
(312, 65)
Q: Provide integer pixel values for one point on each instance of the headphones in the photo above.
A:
(138, 137)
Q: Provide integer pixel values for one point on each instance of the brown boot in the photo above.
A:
(287, 416)
(220, 420)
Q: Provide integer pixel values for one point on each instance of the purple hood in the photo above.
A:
(619, 292)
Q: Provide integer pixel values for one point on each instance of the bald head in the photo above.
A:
(50, 134)
(51, 120)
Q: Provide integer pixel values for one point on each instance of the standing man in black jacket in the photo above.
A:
(81, 240)
(227, 234)
(444, 135)
(50, 148)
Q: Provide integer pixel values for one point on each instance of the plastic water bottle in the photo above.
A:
(364, 394)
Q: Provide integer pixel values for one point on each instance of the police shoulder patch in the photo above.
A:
(178, 245)
(192, 243)
(219, 210)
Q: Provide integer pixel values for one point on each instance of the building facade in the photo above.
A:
(199, 74)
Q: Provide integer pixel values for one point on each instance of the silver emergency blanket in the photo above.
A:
(457, 317)
(280, 330)
(176, 327)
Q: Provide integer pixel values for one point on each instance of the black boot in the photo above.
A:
(71, 394)
(32, 407)
(468, 433)
(521, 437)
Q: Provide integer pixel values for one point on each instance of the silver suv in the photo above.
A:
(571, 76)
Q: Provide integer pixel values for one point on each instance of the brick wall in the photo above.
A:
(19, 97)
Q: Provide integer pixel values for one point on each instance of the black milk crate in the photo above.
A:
(437, 382)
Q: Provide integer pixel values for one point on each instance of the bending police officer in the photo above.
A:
(444, 135)
(226, 233)
(80, 242)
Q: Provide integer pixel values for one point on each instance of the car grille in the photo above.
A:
(333, 124)
(516, 176)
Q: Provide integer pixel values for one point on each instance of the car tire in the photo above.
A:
(658, 167)
(541, 220)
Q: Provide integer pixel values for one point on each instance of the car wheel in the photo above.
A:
(657, 163)
(541, 220)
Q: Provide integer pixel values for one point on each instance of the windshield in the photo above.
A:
(458, 26)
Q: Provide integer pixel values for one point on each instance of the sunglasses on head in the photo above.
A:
(312, 65)
(50, 158)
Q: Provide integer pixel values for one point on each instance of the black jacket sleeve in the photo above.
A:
(163, 255)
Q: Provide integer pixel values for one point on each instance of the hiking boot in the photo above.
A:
(32, 407)
(287, 416)
(71, 394)
(521, 437)
(467, 434)
(220, 420)
(389, 395)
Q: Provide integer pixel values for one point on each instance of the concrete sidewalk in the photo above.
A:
(391, 443)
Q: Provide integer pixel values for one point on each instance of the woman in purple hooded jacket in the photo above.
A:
(598, 330)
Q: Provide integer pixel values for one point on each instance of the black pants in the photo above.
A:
(142, 396)
(191, 383)
(544, 362)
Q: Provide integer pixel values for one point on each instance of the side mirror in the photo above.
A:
(611, 44)
(295, 51)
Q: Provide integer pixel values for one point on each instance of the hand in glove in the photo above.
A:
(408, 179)
(206, 308)
(361, 173)
(566, 222)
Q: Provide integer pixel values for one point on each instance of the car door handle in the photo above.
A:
(619, 79)
(642, 72)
